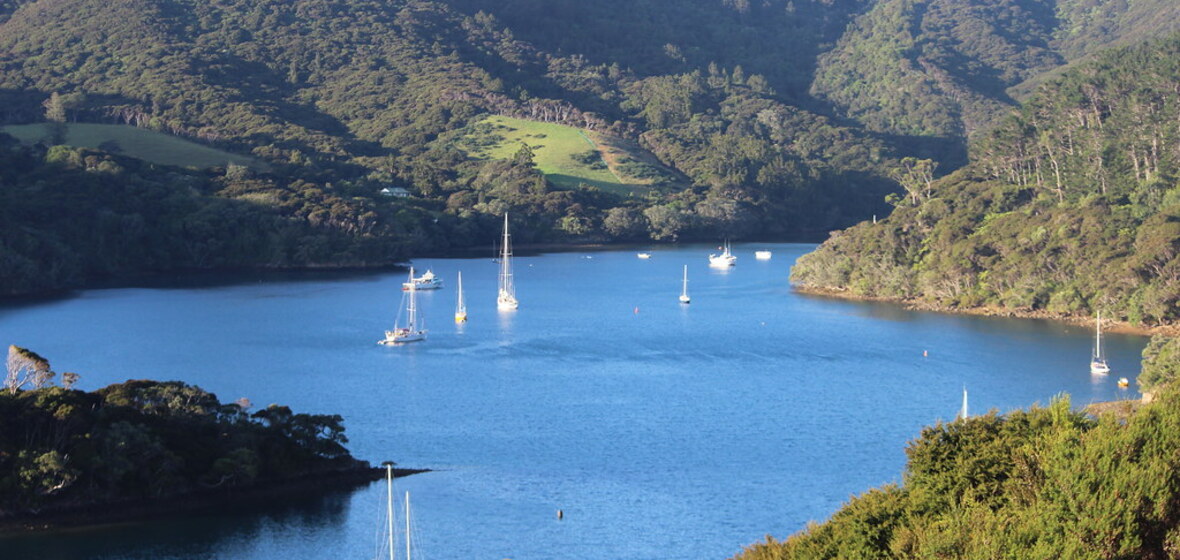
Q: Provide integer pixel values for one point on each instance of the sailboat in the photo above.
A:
(411, 332)
(725, 259)
(1098, 364)
(684, 291)
(409, 541)
(389, 504)
(389, 532)
(963, 411)
(506, 300)
(461, 306)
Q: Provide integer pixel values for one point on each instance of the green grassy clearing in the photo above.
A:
(140, 143)
(566, 155)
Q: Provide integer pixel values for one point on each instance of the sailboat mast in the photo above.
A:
(412, 309)
(1098, 337)
(963, 413)
(505, 264)
(407, 526)
(389, 503)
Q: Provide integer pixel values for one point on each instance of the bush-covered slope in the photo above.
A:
(1071, 206)
(68, 216)
(130, 141)
(951, 67)
(1046, 483)
(937, 68)
(62, 448)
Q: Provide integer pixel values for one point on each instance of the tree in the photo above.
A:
(523, 156)
(916, 176)
(25, 367)
(55, 108)
(1161, 363)
(622, 222)
(666, 221)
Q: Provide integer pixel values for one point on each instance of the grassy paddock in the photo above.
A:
(135, 142)
(562, 153)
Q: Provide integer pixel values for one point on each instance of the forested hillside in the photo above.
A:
(1070, 206)
(68, 215)
(776, 118)
(951, 68)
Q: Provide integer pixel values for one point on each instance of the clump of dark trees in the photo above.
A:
(145, 441)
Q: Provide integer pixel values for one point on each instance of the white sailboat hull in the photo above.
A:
(725, 259)
(722, 261)
(402, 336)
(507, 302)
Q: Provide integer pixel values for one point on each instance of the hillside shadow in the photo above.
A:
(572, 182)
(260, 86)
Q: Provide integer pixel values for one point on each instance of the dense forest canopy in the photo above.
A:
(1070, 206)
(776, 118)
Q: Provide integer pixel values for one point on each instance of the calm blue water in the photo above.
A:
(661, 430)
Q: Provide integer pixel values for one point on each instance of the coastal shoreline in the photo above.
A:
(231, 275)
(98, 515)
(918, 305)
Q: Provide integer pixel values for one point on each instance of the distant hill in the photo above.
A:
(951, 68)
(134, 142)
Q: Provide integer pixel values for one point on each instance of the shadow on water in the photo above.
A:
(205, 533)
(196, 280)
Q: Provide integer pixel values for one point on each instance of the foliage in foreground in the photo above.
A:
(1046, 483)
(141, 440)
